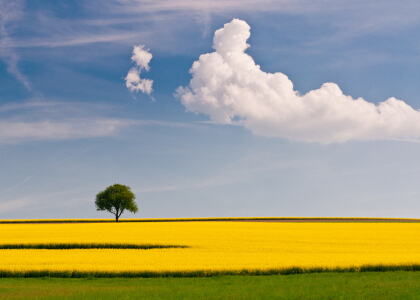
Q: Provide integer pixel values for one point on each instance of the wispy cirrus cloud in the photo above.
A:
(39, 120)
(74, 40)
(14, 204)
(10, 12)
(358, 16)
(74, 128)
(43, 120)
(144, 20)
(16, 185)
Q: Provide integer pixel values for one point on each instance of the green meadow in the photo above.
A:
(369, 285)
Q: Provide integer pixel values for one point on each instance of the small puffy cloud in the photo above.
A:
(133, 81)
(141, 57)
(228, 86)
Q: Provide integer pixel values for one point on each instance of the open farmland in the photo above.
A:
(206, 248)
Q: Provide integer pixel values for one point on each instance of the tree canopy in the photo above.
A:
(115, 199)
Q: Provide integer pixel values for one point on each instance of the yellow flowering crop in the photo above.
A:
(212, 246)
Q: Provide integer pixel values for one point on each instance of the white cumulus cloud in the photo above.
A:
(133, 81)
(228, 86)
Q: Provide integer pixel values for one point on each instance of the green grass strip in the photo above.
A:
(200, 273)
(64, 246)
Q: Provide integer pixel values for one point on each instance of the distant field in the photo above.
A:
(250, 219)
(205, 248)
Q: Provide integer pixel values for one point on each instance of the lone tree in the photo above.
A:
(115, 199)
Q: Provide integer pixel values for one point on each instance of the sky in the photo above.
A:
(253, 108)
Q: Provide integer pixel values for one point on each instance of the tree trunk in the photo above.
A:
(116, 217)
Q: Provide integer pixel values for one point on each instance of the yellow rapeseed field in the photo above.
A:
(212, 246)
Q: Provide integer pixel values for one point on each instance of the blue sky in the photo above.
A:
(235, 141)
